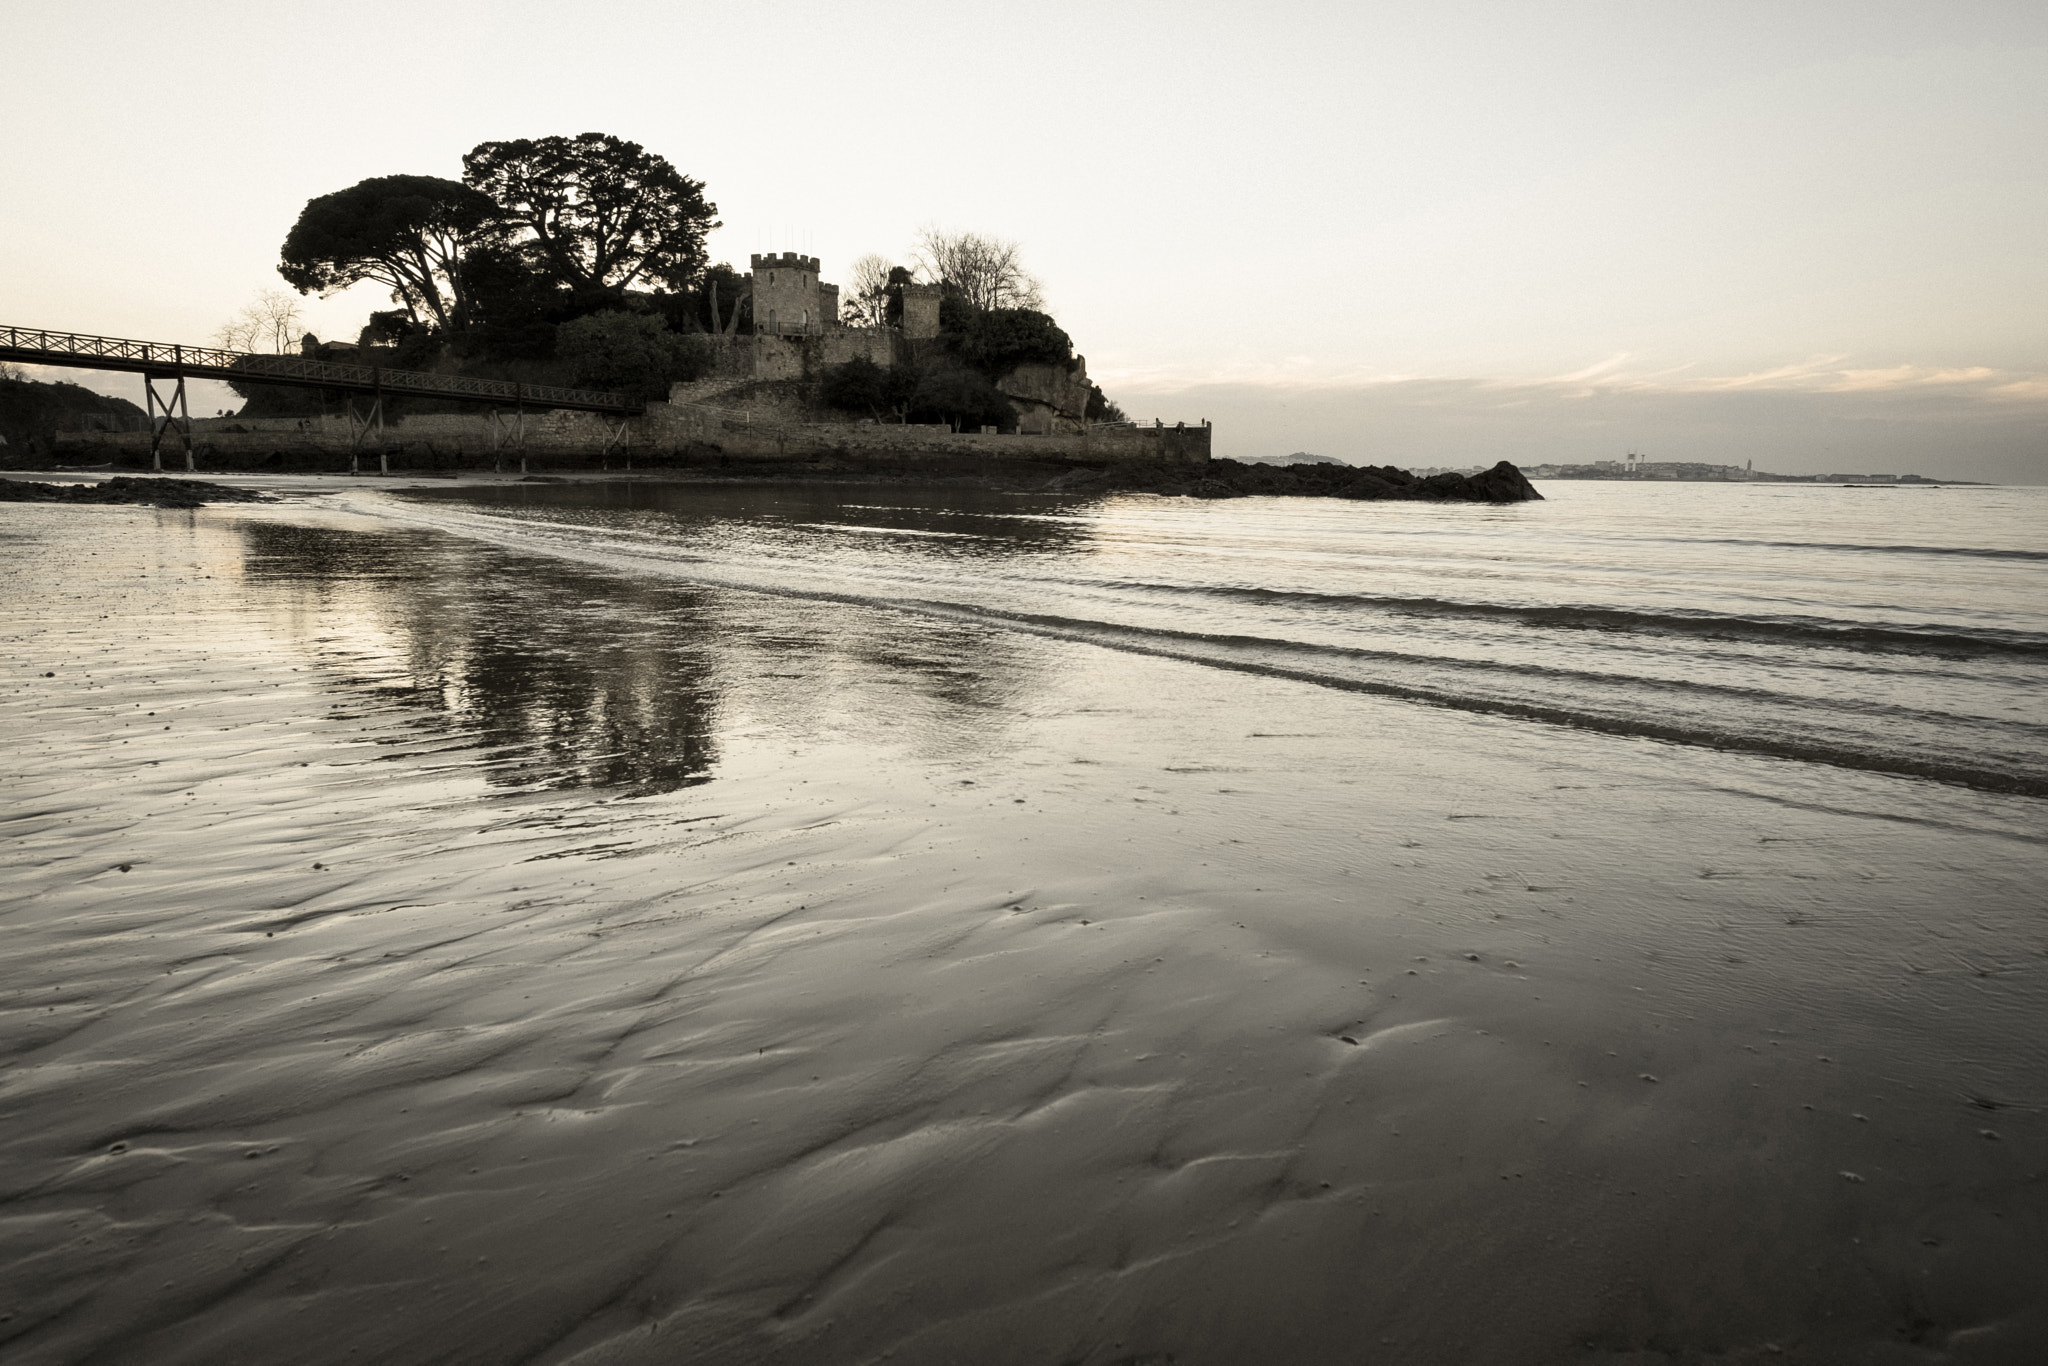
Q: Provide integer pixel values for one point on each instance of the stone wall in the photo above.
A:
(471, 438)
(744, 435)
(666, 430)
(765, 357)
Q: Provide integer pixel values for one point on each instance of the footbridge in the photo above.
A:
(170, 364)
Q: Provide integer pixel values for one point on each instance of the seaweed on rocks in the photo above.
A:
(123, 488)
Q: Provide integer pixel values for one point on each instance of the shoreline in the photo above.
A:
(1215, 479)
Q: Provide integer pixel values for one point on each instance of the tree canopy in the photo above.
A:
(963, 398)
(1100, 409)
(604, 213)
(633, 352)
(892, 295)
(409, 233)
(988, 272)
(860, 385)
(999, 340)
(867, 291)
(269, 322)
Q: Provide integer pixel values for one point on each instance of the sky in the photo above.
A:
(1809, 236)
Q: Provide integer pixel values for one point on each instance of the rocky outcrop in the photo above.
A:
(1048, 398)
(1234, 479)
(163, 493)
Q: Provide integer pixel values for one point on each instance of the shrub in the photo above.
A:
(964, 398)
(861, 386)
(631, 352)
(1001, 339)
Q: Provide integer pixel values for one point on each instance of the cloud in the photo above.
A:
(1834, 375)
(1822, 414)
(1815, 375)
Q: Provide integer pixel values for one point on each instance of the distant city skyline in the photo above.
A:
(1806, 236)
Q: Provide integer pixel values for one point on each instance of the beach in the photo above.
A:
(830, 925)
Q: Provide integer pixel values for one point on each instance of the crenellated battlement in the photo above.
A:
(786, 260)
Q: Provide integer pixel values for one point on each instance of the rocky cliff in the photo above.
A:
(1048, 398)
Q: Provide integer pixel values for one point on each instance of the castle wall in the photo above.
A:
(768, 357)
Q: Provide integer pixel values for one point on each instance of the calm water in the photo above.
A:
(1895, 630)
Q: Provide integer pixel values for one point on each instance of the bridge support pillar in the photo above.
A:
(165, 414)
(615, 435)
(507, 432)
(359, 429)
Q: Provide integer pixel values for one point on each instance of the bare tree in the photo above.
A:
(867, 291)
(269, 322)
(988, 271)
(9, 370)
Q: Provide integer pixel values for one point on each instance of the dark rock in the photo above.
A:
(1236, 479)
(123, 488)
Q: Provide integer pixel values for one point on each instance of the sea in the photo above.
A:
(1898, 630)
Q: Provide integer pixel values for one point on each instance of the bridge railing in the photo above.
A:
(304, 371)
(115, 348)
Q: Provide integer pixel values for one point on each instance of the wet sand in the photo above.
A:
(422, 953)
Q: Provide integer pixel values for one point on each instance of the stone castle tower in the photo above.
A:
(921, 310)
(789, 298)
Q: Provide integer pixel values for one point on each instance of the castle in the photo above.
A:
(797, 332)
(792, 300)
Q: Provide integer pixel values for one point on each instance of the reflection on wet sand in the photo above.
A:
(562, 688)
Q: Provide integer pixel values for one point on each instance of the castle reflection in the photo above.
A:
(566, 679)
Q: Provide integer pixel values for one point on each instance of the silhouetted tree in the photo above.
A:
(603, 213)
(867, 291)
(723, 302)
(860, 385)
(987, 271)
(892, 313)
(999, 340)
(1100, 409)
(964, 398)
(515, 305)
(269, 322)
(633, 352)
(409, 233)
(388, 328)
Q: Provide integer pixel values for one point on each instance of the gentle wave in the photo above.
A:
(1249, 654)
(1943, 641)
(1843, 732)
(1975, 552)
